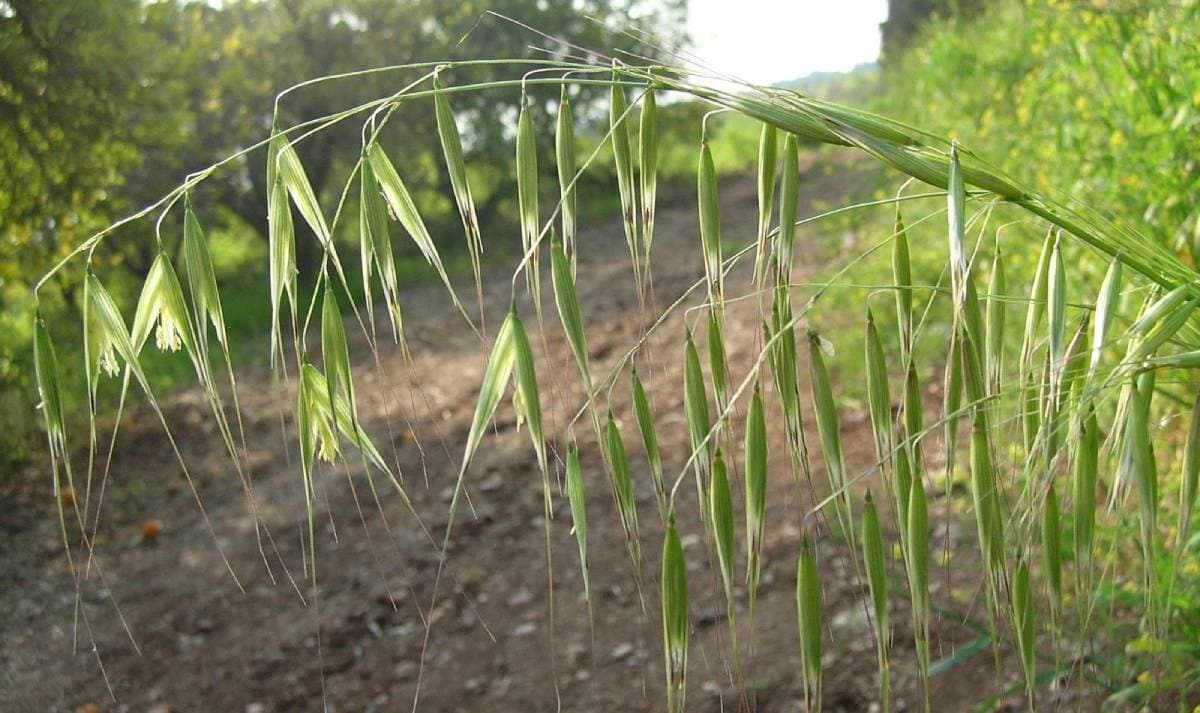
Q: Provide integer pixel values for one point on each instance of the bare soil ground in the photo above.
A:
(356, 642)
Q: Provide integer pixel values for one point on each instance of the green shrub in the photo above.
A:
(1096, 100)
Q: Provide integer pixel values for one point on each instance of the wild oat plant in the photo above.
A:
(1082, 512)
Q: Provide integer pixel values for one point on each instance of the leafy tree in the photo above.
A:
(69, 85)
(103, 104)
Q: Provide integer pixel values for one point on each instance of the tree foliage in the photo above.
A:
(103, 104)
(1101, 100)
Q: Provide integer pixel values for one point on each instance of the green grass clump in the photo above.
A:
(1019, 393)
(1097, 100)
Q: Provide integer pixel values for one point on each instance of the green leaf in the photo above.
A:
(720, 513)
(1190, 478)
(375, 245)
(202, 278)
(1056, 307)
(162, 301)
(716, 362)
(830, 435)
(282, 247)
(675, 618)
(335, 352)
(623, 160)
(808, 613)
(398, 199)
(45, 363)
(918, 574)
(527, 198)
(496, 375)
(527, 388)
(456, 166)
(768, 156)
(618, 463)
(295, 179)
(1083, 505)
(1023, 624)
(695, 407)
(756, 492)
(567, 302)
(710, 220)
(902, 278)
(955, 210)
(564, 152)
(648, 162)
(645, 422)
(1143, 471)
(576, 498)
(879, 401)
(789, 196)
(994, 325)
(1052, 549)
(876, 566)
(1106, 309)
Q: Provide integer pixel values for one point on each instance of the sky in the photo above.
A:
(765, 41)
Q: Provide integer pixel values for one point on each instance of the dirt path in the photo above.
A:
(207, 646)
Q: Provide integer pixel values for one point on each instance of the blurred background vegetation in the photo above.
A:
(104, 105)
